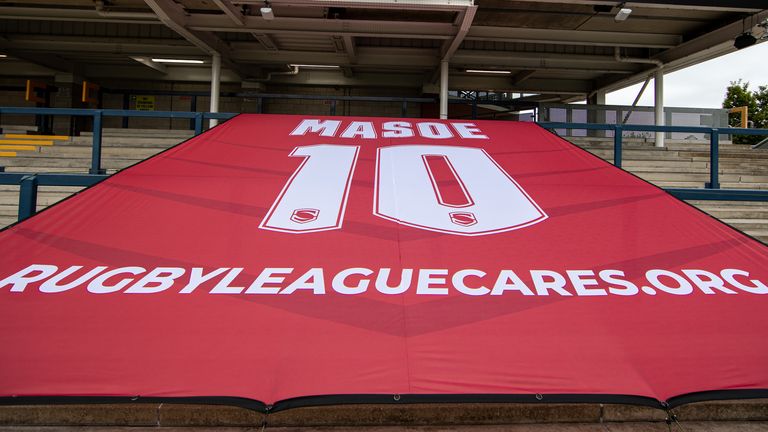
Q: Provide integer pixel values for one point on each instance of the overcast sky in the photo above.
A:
(703, 85)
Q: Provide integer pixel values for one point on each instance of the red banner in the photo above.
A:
(340, 259)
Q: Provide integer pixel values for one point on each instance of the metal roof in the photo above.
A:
(566, 48)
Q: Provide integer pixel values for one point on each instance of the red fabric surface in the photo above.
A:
(201, 204)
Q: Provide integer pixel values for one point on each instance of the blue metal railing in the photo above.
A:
(99, 114)
(711, 189)
(29, 182)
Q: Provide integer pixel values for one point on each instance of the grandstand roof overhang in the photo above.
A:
(564, 48)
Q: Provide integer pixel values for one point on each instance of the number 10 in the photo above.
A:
(456, 190)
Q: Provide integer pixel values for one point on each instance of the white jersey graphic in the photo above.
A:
(407, 192)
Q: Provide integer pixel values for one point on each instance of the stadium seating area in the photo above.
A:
(680, 164)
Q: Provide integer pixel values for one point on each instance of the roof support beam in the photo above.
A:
(522, 76)
(146, 61)
(231, 11)
(571, 37)
(322, 27)
(266, 41)
(724, 34)
(174, 17)
(349, 45)
(127, 46)
(50, 61)
(430, 5)
(694, 51)
(65, 14)
(713, 5)
(465, 22)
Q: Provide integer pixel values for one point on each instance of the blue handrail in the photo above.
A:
(99, 114)
(714, 140)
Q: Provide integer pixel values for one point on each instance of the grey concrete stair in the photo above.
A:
(119, 132)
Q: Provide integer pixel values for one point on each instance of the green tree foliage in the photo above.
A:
(738, 94)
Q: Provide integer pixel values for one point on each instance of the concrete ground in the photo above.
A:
(746, 415)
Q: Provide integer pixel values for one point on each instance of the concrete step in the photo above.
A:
(684, 169)
(697, 147)
(699, 177)
(8, 211)
(696, 155)
(673, 164)
(704, 145)
(748, 224)
(42, 189)
(106, 152)
(31, 163)
(729, 204)
(7, 220)
(753, 213)
(755, 186)
(646, 156)
(130, 132)
(127, 141)
(13, 128)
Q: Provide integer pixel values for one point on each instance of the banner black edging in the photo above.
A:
(713, 395)
(240, 402)
(395, 399)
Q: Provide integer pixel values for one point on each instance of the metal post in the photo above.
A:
(333, 107)
(126, 105)
(198, 123)
(658, 90)
(215, 85)
(259, 105)
(96, 148)
(474, 108)
(714, 160)
(617, 136)
(405, 109)
(444, 89)
(27, 197)
(193, 108)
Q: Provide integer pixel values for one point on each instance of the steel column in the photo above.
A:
(126, 105)
(96, 150)
(658, 91)
(617, 137)
(714, 160)
(27, 197)
(215, 86)
(444, 89)
(198, 123)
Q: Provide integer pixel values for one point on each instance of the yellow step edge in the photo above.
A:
(7, 154)
(34, 143)
(18, 147)
(26, 142)
(39, 137)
